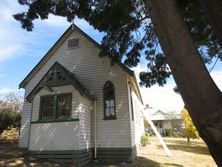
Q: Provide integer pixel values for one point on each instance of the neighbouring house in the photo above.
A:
(166, 120)
(79, 107)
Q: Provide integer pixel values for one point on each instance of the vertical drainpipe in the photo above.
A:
(95, 147)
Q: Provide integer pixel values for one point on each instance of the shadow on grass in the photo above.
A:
(138, 162)
(171, 165)
(188, 148)
(145, 162)
(142, 161)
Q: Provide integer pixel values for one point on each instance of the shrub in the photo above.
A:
(10, 108)
(9, 119)
(190, 129)
(168, 132)
(144, 140)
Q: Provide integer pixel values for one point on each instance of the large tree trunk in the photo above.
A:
(199, 92)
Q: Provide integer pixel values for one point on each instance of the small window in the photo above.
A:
(73, 42)
(109, 101)
(55, 107)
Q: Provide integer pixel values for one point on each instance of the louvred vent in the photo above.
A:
(73, 43)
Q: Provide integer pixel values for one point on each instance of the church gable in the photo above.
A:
(58, 75)
(66, 45)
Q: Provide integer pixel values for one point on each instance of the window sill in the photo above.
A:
(54, 121)
(111, 118)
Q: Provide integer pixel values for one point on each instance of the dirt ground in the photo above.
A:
(194, 154)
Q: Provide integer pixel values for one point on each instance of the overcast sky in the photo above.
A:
(20, 51)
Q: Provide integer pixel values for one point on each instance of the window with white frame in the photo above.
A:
(109, 101)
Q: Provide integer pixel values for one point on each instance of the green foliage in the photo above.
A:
(129, 32)
(169, 132)
(190, 129)
(207, 43)
(9, 119)
(10, 109)
(144, 140)
(173, 133)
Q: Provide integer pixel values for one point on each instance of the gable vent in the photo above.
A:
(73, 43)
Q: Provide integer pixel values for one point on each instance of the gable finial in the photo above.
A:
(73, 24)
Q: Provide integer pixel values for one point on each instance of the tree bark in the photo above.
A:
(213, 12)
(188, 140)
(199, 92)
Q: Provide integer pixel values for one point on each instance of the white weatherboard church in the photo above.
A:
(78, 107)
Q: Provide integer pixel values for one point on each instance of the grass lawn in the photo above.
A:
(194, 154)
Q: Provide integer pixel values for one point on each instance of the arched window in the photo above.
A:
(109, 101)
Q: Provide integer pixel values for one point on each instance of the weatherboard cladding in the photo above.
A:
(82, 157)
(54, 136)
(132, 121)
(58, 42)
(85, 124)
(138, 120)
(66, 157)
(25, 124)
(136, 124)
(92, 72)
(111, 155)
(50, 135)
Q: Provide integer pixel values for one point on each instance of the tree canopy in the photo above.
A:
(129, 32)
(10, 111)
(190, 129)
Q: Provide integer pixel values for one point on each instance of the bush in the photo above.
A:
(168, 132)
(173, 133)
(178, 134)
(144, 140)
(190, 129)
(9, 119)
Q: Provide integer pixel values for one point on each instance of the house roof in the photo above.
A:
(160, 115)
(69, 78)
(52, 49)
